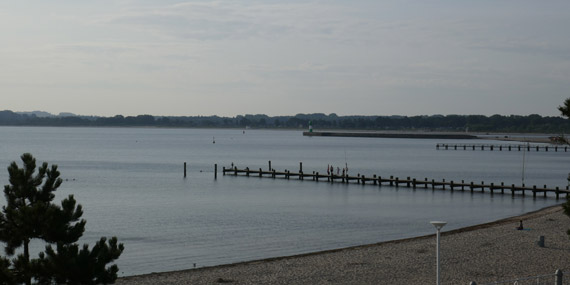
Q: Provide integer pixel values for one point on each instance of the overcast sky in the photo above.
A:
(166, 57)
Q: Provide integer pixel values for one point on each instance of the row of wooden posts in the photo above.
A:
(395, 181)
(445, 146)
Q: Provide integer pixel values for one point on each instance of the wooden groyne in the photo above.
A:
(499, 147)
(397, 182)
(402, 135)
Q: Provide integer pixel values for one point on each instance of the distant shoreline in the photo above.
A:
(530, 137)
(400, 135)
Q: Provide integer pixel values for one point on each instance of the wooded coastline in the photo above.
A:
(434, 123)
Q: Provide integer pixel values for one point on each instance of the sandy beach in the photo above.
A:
(484, 253)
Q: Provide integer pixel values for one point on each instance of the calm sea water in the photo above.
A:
(130, 183)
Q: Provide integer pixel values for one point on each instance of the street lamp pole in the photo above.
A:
(438, 225)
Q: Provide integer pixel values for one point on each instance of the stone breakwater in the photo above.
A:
(483, 253)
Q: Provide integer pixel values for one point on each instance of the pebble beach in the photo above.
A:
(483, 253)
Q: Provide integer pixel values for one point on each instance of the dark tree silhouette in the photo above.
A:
(30, 214)
(565, 109)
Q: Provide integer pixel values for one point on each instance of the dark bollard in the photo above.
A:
(270, 165)
(215, 171)
(408, 182)
(184, 169)
(300, 167)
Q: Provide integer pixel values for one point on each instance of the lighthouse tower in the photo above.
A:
(310, 126)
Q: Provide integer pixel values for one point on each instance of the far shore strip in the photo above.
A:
(484, 253)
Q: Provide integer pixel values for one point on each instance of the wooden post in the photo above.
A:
(451, 185)
(270, 165)
(301, 176)
(379, 180)
(462, 185)
(397, 183)
(216, 171)
(557, 193)
(300, 167)
(391, 180)
(260, 172)
(408, 182)
(471, 186)
(414, 183)
(492, 188)
(235, 170)
(273, 173)
(534, 191)
(513, 190)
(433, 184)
(426, 183)
(363, 180)
(247, 171)
(223, 170)
(544, 191)
(443, 184)
(502, 187)
(317, 176)
(184, 169)
(374, 179)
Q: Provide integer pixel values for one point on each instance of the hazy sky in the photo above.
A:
(166, 57)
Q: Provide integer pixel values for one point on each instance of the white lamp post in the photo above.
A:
(438, 225)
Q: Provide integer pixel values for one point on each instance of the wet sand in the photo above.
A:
(484, 253)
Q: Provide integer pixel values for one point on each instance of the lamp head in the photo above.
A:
(438, 224)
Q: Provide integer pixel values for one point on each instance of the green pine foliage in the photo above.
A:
(31, 214)
(565, 109)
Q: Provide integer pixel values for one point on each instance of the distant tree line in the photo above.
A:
(472, 123)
